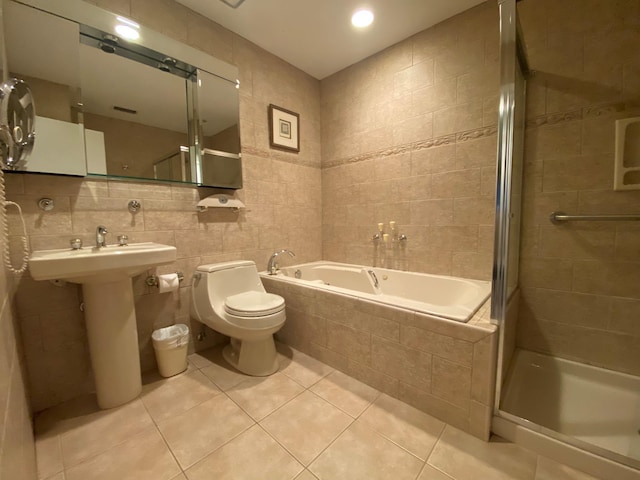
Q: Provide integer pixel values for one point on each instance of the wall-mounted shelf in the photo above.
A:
(627, 161)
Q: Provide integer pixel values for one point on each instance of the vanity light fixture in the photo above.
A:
(362, 18)
(127, 29)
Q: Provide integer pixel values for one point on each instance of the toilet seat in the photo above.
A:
(253, 304)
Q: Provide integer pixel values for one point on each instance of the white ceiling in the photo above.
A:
(316, 35)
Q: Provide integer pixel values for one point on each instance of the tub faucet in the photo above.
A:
(101, 240)
(272, 266)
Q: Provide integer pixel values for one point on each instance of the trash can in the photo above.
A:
(170, 345)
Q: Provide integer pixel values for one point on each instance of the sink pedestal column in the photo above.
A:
(113, 341)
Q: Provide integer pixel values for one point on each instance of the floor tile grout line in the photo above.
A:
(217, 448)
(320, 453)
(112, 447)
(284, 448)
(93, 455)
(369, 425)
(175, 459)
(434, 447)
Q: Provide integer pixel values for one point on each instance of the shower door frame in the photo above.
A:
(512, 58)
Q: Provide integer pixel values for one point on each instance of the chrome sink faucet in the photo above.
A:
(101, 240)
(272, 266)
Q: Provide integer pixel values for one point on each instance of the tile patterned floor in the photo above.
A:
(306, 422)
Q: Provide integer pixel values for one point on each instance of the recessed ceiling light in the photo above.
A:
(362, 18)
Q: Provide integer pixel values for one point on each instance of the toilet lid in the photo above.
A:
(253, 304)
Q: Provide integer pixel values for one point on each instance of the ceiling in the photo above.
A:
(316, 35)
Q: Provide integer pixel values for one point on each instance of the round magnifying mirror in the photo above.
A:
(17, 121)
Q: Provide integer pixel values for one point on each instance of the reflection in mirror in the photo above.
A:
(141, 121)
(51, 70)
(123, 114)
(219, 131)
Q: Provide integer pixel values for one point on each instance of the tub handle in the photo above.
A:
(374, 277)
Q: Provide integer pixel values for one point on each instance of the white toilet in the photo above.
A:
(230, 298)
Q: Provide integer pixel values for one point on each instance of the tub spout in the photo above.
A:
(272, 266)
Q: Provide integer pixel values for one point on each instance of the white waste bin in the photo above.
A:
(170, 345)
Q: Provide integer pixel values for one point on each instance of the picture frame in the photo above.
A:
(284, 129)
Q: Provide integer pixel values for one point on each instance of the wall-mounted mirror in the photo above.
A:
(147, 108)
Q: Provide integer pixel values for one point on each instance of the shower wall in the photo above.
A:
(580, 296)
(409, 135)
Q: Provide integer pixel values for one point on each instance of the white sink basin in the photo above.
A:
(105, 274)
(99, 265)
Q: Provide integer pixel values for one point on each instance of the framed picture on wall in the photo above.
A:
(284, 129)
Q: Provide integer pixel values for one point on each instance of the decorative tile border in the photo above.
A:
(590, 111)
(409, 147)
(282, 157)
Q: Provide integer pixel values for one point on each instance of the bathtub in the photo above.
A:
(447, 297)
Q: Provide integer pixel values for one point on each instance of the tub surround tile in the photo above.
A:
(458, 356)
(409, 365)
(483, 373)
(444, 346)
(451, 382)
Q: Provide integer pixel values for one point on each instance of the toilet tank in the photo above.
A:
(229, 278)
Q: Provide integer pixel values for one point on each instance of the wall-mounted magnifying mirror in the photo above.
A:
(17, 123)
(150, 108)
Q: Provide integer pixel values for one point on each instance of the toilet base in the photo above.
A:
(257, 358)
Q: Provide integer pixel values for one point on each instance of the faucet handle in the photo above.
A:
(123, 240)
(75, 243)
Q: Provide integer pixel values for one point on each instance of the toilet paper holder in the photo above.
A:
(152, 280)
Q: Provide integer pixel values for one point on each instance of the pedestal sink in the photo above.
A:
(105, 274)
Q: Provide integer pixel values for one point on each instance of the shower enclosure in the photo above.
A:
(567, 286)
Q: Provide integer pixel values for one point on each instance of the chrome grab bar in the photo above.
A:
(374, 277)
(558, 217)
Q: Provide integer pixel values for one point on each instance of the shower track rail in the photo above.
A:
(559, 217)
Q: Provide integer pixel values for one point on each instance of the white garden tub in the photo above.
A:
(449, 297)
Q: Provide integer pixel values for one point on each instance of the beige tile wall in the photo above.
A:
(444, 368)
(17, 448)
(281, 191)
(409, 135)
(580, 281)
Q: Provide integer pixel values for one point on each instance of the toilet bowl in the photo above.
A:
(230, 298)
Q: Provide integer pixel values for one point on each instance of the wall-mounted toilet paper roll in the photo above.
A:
(168, 282)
